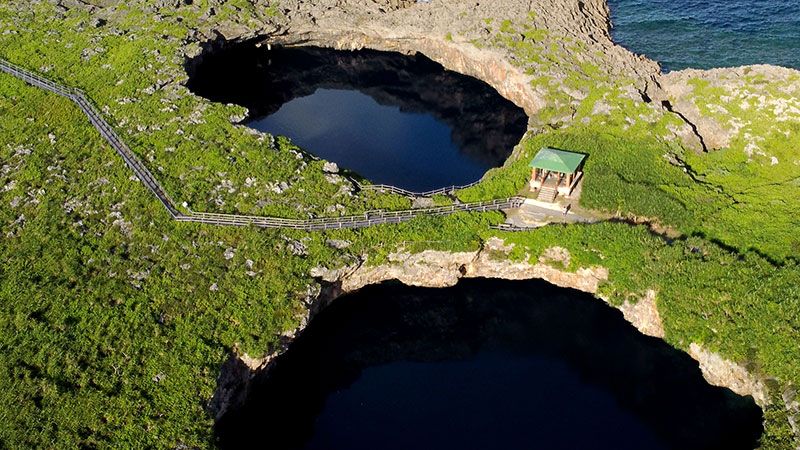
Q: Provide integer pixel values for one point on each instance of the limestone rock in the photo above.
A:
(716, 125)
(338, 244)
(330, 167)
(722, 372)
(422, 202)
(644, 315)
(433, 268)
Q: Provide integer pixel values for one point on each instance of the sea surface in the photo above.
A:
(486, 364)
(705, 34)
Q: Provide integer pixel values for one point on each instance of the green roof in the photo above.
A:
(557, 160)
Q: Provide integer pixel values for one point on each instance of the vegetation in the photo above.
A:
(741, 306)
(115, 320)
(743, 195)
(730, 282)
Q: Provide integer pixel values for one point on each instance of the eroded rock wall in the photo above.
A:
(442, 269)
(721, 372)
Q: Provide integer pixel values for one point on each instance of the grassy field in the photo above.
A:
(743, 196)
(115, 320)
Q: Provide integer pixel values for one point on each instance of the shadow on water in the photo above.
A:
(484, 364)
(392, 118)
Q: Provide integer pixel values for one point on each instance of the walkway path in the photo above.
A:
(149, 181)
(533, 214)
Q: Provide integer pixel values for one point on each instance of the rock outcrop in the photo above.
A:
(765, 91)
(455, 33)
(233, 382)
(643, 314)
(441, 269)
(432, 268)
(721, 372)
(791, 400)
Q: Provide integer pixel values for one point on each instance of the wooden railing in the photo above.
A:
(141, 172)
(367, 219)
(407, 193)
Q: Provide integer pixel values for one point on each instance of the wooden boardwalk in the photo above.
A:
(325, 223)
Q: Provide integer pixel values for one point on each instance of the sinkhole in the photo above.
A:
(391, 118)
(484, 364)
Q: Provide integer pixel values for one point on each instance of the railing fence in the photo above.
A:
(141, 172)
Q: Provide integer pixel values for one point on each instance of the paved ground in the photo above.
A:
(534, 214)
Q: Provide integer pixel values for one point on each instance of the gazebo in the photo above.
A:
(555, 172)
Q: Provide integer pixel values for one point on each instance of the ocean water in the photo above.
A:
(705, 34)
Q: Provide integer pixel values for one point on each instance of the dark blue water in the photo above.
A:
(484, 365)
(405, 405)
(390, 118)
(704, 34)
(406, 149)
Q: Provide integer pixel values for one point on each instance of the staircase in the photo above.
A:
(547, 193)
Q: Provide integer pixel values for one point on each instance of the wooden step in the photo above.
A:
(547, 194)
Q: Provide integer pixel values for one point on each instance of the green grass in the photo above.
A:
(745, 202)
(743, 307)
(93, 309)
(759, 169)
(102, 294)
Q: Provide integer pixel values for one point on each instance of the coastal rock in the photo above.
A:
(678, 89)
(556, 254)
(705, 98)
(330, 167)
(432, 268)
(429, 268)
(395, 4)
(792, 402)
(644, 315)
(441, 269)
(452, 33)
(458, 35)
(719, 371)
(423, 202)
(487, 265)
(338, 244)
(233, 382)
